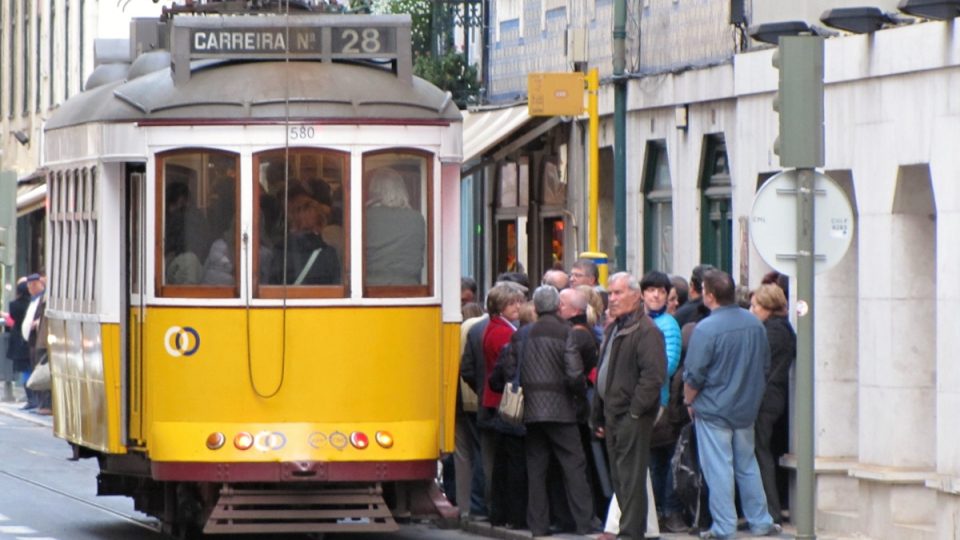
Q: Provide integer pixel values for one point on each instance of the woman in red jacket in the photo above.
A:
(500, 444)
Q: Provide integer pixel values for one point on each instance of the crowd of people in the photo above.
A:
(624, 387)
(26, 324)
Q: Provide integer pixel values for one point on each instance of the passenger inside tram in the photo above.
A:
(218, 268)
(310, 260)
(182, 226)
(395, 233)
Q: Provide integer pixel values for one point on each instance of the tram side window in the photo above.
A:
(396, 189)
(301, 225)
(197, 205)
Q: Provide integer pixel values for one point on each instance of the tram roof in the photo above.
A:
(230, 90)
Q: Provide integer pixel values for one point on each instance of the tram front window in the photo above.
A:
(300, 223)
(396, 203)
(198, 223)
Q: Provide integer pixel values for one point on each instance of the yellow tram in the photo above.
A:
(254, 273)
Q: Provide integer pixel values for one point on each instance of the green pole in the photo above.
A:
(620, 133)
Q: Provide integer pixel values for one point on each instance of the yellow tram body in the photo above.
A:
(329, 392)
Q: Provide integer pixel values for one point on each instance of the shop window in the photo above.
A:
(507, 240)
(197, 224)
(552, 234)
(301, 222)
(396, 224)
(658, 210)
(716, 212)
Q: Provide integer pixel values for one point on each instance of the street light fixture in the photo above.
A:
(771, 32)
(860, 20)
(931, 9)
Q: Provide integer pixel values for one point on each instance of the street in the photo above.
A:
(45, 496)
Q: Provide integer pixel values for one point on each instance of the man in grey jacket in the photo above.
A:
(723, 386)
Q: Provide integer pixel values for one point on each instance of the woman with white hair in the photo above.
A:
(394, 233)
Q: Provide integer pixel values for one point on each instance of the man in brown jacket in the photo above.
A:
(631, 373)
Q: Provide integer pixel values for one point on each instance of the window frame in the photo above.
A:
(402, 291)
(284, 291)
(656, 199)
(162, 290)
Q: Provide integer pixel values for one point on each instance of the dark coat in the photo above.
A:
(551, 374)
(783, 351)
(692, 311)
(18, 350)
(325, 269)
(638, 368)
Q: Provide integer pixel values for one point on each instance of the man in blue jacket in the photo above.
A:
(723, 386)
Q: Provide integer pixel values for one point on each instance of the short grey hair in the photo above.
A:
(546, 299)
(632, 282)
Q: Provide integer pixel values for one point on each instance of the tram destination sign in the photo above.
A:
(314, 37)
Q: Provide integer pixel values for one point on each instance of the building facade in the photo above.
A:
(46, 54)
(700, 132)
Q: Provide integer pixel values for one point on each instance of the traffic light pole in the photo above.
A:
(799, 102)
(805, 449)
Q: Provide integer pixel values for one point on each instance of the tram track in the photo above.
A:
(154, 527)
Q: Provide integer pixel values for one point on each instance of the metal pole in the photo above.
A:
(620, 133)
(805, 451)
(593, 195)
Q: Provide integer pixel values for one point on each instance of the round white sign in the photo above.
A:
(773, 222)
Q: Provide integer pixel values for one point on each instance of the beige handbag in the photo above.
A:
(511, 403)
(469, 398)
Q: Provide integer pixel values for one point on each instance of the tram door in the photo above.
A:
(136, 246)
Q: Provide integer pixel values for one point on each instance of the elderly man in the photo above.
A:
(632, 369)
(556, 278)
(724, 384)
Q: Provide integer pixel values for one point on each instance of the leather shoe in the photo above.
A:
(28, 407)
(674, 523)
(44, 412)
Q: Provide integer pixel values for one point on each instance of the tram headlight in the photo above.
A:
(243, 441)
(359, 440)
(215, 440)
(384, 439)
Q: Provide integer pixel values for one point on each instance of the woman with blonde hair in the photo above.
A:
(769, 304)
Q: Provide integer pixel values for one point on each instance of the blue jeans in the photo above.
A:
(726, 454)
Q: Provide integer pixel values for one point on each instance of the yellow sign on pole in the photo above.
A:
(555, 94)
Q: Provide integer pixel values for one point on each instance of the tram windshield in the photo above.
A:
(197, 201)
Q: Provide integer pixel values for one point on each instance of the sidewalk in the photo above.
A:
(483, 528)
(12, 408)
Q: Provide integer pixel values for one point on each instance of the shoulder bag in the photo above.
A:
(511, 402)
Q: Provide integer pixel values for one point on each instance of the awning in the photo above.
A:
(30, 197)
(484, 129)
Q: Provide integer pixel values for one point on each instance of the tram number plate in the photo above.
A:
(302, 133)
(364, 40)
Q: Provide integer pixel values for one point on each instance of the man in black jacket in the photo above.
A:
(552, 379)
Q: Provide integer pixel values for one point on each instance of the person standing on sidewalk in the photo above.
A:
(632, 369)
(551, 375)
(723, 387)
(18, 349)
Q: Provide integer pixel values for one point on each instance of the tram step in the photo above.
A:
(251, 511)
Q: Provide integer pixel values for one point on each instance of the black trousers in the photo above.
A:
(508, 505)
(562, 441)
(763, 434)
(628, 446)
